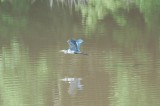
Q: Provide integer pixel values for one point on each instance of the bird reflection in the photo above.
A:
(74, 84)
(74, 47)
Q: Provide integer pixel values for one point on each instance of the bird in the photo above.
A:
(74, 47)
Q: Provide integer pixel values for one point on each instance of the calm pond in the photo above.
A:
(121, 38)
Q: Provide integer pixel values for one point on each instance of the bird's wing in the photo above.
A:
(72, 45)
(78, 42)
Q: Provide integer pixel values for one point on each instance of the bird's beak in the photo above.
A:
(62, 51)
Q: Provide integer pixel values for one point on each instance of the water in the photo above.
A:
(122, 67)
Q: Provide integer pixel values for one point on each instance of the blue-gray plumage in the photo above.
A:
(74, 47)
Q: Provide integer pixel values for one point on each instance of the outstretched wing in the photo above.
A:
(72, 44)
(78, 42)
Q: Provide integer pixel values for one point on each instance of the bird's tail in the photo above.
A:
(84, 53)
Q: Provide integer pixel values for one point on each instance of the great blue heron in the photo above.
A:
(74, 47)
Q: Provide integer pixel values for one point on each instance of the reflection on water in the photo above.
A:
(74, 84)
(121, 38)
